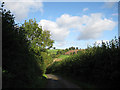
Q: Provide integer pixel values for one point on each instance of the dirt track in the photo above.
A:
(55, 81)
(57, 59)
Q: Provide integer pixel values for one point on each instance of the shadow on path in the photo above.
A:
(54, 81)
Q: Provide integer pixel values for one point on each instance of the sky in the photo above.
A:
(77, 24)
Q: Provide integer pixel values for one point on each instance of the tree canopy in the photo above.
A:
(37, 36)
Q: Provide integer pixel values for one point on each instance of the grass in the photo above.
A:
(53, 51)
(44, 75)
(40, 82)
(63, 56)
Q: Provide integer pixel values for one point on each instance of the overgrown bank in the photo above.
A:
(97, 65)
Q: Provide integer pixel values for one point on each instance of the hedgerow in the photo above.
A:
(98, 65)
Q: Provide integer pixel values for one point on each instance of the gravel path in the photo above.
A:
(55, 81)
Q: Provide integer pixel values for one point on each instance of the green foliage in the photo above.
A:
(63, 56)
(98, 65)
(36, 35)
(73, 53)
(78, 52)
(59, 52)
(47, 60)
(39, 40)
(76, 47)
(56, 52)
(72, 48)
(22, 63)
(53, 55)
(52, 51)
(66, 49)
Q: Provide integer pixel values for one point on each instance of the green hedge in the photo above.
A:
(98, 65)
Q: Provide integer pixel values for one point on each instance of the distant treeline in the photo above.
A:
(97, 65)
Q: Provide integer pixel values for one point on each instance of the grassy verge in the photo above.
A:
(40, 82)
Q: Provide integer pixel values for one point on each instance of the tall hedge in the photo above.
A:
(97, 65)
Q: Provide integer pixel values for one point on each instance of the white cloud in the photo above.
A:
(58, 33)
(67, 21)
(115, 14)
(61, 44)
(21, 8)
(85, 9)
(95, 25)
(89, 27)
(66, 44)
(109, 4)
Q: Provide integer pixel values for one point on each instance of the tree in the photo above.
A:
(59, 52)
(40, 40)
(76, 47)
(37, 36)
(66, 49)
(73, 53)
(73, 48)
(69, 48)
(54, 48)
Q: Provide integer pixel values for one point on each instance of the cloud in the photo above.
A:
(67, 21)
(85, 9)
(58, 33)
(115, 14)
(89, 27)
(61, 44)
(94, 27)
(109, 4)
(66, 44)
(21, 8)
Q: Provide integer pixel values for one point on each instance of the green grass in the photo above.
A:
(63, 56)
(44, 75)
(40, 82)
(53, 51)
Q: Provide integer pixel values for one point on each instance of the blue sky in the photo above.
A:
(71, 23)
